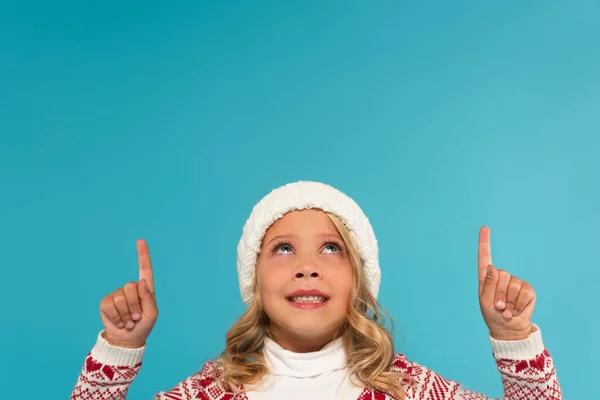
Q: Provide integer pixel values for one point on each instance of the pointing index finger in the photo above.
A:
(484, 255)
(145, 264)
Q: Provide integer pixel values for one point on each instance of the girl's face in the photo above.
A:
(304, 276)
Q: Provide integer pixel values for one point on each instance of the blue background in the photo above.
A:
(121, 120)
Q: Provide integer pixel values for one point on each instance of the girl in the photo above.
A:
(308, 270)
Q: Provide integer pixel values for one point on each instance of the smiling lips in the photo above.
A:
(307, 299)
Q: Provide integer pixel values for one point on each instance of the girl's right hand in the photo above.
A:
(129, 313)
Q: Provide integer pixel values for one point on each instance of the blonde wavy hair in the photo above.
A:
(368, 343)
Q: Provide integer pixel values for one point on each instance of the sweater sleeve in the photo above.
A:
(526, 369)
(107, 372)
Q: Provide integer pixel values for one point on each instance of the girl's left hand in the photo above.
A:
(506, 301)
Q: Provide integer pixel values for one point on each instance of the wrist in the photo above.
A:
(127, 345)
(513, 335)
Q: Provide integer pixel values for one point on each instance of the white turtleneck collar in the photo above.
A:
(283, 362)
(318, 375)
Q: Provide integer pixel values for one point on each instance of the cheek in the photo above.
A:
(344, 279)
(270, 283)
(348, 284)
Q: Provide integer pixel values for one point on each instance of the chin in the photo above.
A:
(311, 323)
(310, 326)
(309, 332)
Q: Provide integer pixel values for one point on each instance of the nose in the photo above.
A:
(307, 272)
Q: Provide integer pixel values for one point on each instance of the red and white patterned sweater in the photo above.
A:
(526, 369)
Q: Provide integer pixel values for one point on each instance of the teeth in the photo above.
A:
(308, 299)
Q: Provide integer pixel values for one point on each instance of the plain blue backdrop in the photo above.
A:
(169, 121)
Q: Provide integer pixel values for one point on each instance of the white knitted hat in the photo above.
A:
(304, 195)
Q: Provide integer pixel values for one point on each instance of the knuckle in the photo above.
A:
(130, 285)
(503, 273)
(120, 300)
(525, 288)
(118, 294)
(108, 305)
(108, 309)
(105, 302)
(514, 285)
(121, 306)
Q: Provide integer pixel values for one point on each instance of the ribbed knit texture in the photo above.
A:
(519, 348)
(299, 196)
(322, 374)
(104, 353)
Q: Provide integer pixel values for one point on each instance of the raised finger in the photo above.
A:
(133, 300)
(147, 301)
(484, 255)
(489, 288)
(107, 307)
(514, 287)
(122, 308)
(145, 264)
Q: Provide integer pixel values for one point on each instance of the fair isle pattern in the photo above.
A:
(99, 381)
(533, 379)
(540, 369)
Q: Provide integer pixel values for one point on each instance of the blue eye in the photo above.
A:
(282, 245)
(286, 248)
(333, 247)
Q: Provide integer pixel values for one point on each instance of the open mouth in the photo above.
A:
(307, 299)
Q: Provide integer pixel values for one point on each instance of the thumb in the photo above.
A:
(147, 300)
(489, 286)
